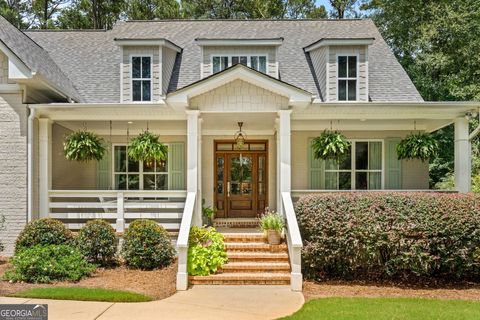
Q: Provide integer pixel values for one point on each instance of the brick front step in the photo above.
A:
(244, 237)
(242, 278)
(263, 267)
(257, 256)
(254, 246)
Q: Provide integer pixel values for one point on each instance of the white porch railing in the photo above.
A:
(182, 241)
(294, 240)
(75, 207)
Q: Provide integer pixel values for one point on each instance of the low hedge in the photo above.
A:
(398, 236)
(206, 251)
(48, 263)
(98, 242)
(45, 231)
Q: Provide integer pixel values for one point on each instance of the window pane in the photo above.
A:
(146, 90)
(342, 90)
(121, 181)
(262, 65)
(375, 156)
(148, 166)
(352, 90)
(162, 182)
(146, 67)
(224, 63)
(342, 67)
(136, 67)
(120, 159)
(133, 182)
(374, 180)
(352, 67)
(254, 62)
(346, 163)
(331, 181)
(344, 180)
(137, 90)
(361, 181)
(331, 164)
(361, 155)
(149, 182)
(161, 166)
(243, 60)
(216, 64)
(133, 166)
(235, 60)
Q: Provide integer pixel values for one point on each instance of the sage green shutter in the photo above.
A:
(176, 166)
(316, 170)
(393, 166)
(104, 177)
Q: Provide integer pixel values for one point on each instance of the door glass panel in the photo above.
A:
(241, 175)
(220, 172)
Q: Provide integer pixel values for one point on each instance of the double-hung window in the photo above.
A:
(141, 78)
(256, 62)
(360, 169)
(134, 175)
(347, 78)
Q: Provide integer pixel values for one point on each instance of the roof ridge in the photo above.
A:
(63, 30)
(248, 20)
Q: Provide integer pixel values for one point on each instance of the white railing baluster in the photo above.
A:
(294, 240)
(120, 224)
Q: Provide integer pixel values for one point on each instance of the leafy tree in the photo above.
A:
(299, 9)
(152, 9)
(44, 11)
(13, 11)
(342, 7)
(91, 14)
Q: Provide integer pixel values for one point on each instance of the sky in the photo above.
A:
(326, 3)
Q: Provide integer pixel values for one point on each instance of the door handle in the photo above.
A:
(228, 189)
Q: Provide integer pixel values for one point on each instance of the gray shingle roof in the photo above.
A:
(35, 58)
(91, 59)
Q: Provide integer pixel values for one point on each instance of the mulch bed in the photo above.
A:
(313, 290)
(157, 284)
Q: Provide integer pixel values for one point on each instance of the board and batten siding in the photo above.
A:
(13, 168)
(239, 96)
(269, 51)
(168, 62)
(319, 62)
(126, 67)
(332, 70)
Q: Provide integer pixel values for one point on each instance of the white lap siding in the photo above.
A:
(13, 168)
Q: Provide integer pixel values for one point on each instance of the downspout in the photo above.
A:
(30, 170)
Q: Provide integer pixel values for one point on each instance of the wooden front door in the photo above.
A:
(240, 179)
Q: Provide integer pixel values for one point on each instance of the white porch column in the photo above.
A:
(45, 165)
(463, 159)
(193, 163)
(284, 135)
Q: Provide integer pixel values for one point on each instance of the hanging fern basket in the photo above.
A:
(418, 146)
(330, 145)
(147, 148)
(83, 146)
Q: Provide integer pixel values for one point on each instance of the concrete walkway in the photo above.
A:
(200, 302)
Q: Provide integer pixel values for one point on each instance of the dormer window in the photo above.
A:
(256, 62)
(347, 78)
(141, 78)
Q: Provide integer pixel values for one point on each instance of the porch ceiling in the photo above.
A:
(227, 123)
(174, 127)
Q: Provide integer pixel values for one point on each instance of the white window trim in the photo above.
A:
(357, 78)
(140, 168)
(353, 170)
(131, 56)
(230, 55)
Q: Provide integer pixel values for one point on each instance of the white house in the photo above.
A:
(196, 84)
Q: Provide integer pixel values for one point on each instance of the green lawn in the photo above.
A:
(387, 308)
(82, 294)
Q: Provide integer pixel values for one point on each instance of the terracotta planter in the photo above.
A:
(274, 237)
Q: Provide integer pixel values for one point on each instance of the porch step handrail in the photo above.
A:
(182, 241)
(294, 240)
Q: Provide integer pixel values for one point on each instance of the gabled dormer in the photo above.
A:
(341, 68)
(220, 54)
(146, 68)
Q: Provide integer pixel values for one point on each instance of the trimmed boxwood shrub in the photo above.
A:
(147, 246)
(98, 242)
(43, 231)
(47, 263)
(206, 251)
(400, 236)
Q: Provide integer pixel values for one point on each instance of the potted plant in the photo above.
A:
(83, 146)
(208, 214)
(330, 145)
(146, 147)
(272, 224)
(418, 146)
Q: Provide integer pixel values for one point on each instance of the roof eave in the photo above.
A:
(148, 42)
(339, 42)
